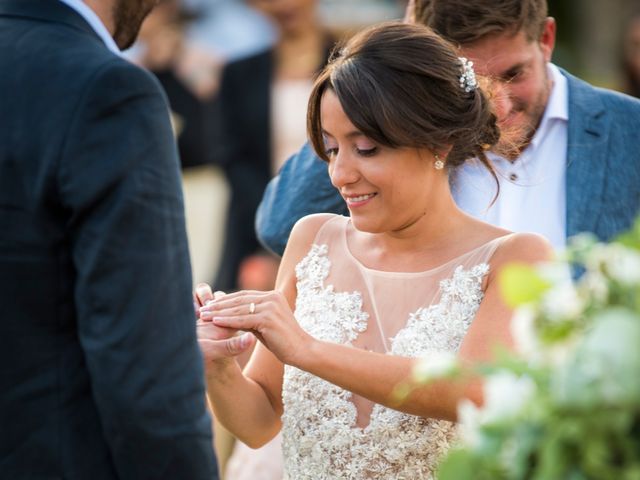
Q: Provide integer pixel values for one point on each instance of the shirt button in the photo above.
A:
(513, 177)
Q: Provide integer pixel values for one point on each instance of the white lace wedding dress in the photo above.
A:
(329, 433)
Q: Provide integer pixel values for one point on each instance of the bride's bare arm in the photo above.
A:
(374, 375)
(249, 403)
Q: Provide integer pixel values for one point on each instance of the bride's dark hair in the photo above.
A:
(399, 84)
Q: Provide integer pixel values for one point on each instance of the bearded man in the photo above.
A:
(100, 372)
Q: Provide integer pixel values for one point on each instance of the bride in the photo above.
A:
(407, 275)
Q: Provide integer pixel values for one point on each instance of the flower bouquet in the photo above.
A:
(568, 405)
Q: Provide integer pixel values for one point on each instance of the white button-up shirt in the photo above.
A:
(532, 189)
(95, 22)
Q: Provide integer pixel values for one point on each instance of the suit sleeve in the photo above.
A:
(302, 187)
(120, 185)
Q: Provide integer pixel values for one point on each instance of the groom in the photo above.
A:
(100, 372)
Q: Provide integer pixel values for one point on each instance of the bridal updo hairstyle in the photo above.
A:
(399, 84)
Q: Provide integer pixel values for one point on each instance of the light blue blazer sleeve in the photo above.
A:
(302, 187)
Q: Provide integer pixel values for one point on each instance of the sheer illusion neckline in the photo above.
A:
(394, 274)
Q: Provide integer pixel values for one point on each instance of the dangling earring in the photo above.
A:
(438, 164)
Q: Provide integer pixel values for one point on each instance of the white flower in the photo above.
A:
(596, 257)
(595, 285)
(524, 333)
(554, 272)
(562, 301)
(469, 423)
(434, 365)
(505, 395)
(622, 264)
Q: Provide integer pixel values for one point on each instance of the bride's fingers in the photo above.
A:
(237, 322)
(233, 304)
(237, 298)
(203, 295)
(229, 310)
(244, 293)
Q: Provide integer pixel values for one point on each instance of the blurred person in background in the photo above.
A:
(189, 73)
(231, 28)
(578, 169)
(100, 373)
(631, 56)
(263, 106)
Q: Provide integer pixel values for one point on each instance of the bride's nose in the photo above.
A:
(343, 170)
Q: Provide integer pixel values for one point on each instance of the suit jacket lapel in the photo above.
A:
(588, 137)
(47, 11)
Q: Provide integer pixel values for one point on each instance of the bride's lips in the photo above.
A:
(354, 201)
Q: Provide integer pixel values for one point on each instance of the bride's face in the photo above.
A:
(386, 189)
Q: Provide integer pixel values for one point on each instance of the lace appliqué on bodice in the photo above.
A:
(320, 436)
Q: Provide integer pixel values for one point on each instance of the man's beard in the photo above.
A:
(533, 115)
(128, 16)
(516, 137)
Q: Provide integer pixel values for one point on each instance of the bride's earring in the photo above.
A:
(438, 164)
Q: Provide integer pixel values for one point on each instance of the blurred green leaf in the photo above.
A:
(631, 238)
(461, 464)
(520, 284)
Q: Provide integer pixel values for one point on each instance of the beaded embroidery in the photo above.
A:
(320, 436)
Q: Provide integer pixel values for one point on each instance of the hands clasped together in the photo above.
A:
(262, 315)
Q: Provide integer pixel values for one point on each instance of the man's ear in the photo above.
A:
(548, 38)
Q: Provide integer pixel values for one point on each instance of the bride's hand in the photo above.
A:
(265, 314)
(218, 344)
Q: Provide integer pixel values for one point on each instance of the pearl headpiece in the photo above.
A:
(468, 77)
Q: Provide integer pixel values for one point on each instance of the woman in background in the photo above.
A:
(263, 103)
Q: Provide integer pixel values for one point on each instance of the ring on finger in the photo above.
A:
(252, 308)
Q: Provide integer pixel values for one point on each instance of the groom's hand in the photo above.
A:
(218, 344)
(218, 352)
(201, 297)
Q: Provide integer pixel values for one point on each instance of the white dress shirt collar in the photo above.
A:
(557, 106)
(94, 21)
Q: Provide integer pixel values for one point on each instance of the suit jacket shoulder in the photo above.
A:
(603, 161)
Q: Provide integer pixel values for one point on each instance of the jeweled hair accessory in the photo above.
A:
(468, 80)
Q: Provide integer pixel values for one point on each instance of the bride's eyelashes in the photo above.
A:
(363, 152)
(367, 152)
(331, 151)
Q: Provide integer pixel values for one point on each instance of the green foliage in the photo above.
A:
(568, 405)
(521, 284)
(631, 239)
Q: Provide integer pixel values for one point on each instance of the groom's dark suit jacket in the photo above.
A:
(100, 374)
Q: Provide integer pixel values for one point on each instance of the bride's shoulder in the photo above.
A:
(306, 229)
(522, 248)
(303, 235)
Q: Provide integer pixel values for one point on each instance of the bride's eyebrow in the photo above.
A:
(352, 134)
